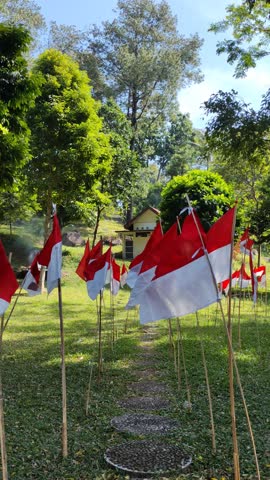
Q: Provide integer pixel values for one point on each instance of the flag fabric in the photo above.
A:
(219, 244)
(87, 257)
(96, 274)
(183, 284)
(246, 243)
(8, 281)
(260, 273)
(51, 256)
(31, 279)
(116, 273)
(124, 274)
(135, 265)
(150, 263)
(84, 261)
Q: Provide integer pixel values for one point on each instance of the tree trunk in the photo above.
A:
(99, 211)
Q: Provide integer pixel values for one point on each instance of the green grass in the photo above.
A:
(31, 370)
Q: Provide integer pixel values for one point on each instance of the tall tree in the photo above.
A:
(25, 13)
(238, 137)
(69, 149)
(177, 146)
(73, 41)
(145, 60)
(18, 89)
(249, 26)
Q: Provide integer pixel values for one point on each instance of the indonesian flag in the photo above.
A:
(226, 283)
(219, 244)
(51, 256)
(246, 243)
(135, 266)
(124, 274)
(84, 261)
(184, 283)
(244, 278)
(96, 274)
(8, 281)
(115, 284)
(87, 257)
(260, 273)
(149, 265)
(31, 280)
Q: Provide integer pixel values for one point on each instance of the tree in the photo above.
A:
(238, 137)
(69, 150)
(70, 40)
(145, 61)
(250, 27)
(209, 194)
(18, 89)
(25, 13)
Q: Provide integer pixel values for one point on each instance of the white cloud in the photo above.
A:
(250, 90)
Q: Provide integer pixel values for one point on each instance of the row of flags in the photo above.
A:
(177, 273)
(181, 272)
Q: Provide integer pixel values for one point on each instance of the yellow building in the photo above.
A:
(137, 232)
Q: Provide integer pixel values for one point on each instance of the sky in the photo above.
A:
(193, 17)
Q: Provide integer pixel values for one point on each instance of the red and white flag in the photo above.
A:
(219, 245)
(87, 257)
(31, 279)
(96, 274)
(51, 256)
(8, 281)
(116, 274)
(124, 274)
(226, 283)
(84, 261)
(150, 263)
(260, 273)
(183, 283)
(135, 266)
(246, 243)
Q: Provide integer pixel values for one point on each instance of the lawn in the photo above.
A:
(31, 369)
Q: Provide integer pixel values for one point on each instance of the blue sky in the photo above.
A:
(193, 17)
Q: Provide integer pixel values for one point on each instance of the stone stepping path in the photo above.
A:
(145, 403)
(144, 457)
(144, 424)
(148, 387)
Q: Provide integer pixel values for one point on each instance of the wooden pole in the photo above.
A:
(208, 389)
(179, 377)
(63, 370)
(2, 424)
(99, 339)
(184, 364)
(88, 394)
(231, 383)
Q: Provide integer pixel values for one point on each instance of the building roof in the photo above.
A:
(132, 220)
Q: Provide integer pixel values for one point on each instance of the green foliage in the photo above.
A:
(123, 166)
(250, 32)
(25, 13)
(17, 92)
(69, 150)
(145, 61)
(208, 193)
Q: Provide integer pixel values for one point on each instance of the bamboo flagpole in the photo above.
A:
(232, 363)
(184, 364)
(63, 375)
(2, 424)
(208, 389)
(231, 382)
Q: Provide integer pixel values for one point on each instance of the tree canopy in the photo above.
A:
(249, 24)
(18, 89)
(69, 149)
(208, 193)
